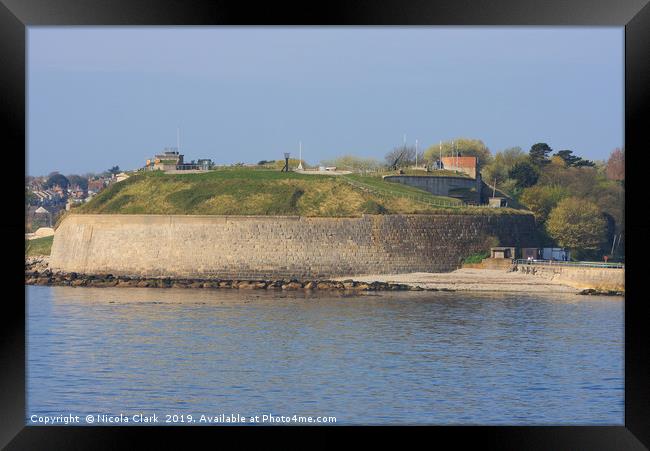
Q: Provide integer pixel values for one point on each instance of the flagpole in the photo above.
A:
(416, 153)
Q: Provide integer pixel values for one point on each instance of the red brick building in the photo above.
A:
(468, 165)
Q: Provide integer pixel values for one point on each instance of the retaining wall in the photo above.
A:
(257, 247)
(580, 277)
(440, 186)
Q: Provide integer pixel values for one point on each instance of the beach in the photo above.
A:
(471, 279)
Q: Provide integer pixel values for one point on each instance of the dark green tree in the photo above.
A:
(78, 180)
(584, 163)
(29, 197)
(57, 179)
(539, 154)
(114, 170)
(524, 174)
(568, 157)
(573, 160)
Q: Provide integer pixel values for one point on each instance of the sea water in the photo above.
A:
(201, 356)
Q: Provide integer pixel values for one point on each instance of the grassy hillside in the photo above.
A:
(38, 246)
(243, 191)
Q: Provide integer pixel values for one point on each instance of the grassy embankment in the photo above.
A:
(38, 246)
(267, 192)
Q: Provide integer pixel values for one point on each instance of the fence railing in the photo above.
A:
(415, 197)
(565, 263)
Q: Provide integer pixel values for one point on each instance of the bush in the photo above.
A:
(476, 258)
(372, 207)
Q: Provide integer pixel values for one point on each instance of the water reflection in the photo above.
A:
(417, 357)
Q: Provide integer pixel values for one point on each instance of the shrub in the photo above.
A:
(372, 207)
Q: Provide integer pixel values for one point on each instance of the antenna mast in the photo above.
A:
(416, 153)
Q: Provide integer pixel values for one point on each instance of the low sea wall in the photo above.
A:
(264, 247)
(606, 279)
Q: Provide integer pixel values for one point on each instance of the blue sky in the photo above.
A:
(104, 96)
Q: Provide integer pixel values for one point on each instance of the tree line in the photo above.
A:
(578, 203)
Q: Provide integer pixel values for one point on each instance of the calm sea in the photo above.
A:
(383, 358)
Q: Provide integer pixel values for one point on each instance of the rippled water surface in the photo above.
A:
(410, 358)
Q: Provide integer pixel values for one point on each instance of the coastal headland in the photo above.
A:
(292, 231)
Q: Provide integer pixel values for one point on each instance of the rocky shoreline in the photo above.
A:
(37, 273)
(48, 277)
(595, 292)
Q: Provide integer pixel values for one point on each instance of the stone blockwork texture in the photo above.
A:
(258, 247)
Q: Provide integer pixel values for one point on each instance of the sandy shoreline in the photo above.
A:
(469, 279)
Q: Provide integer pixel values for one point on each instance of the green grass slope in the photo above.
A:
(38, 246)
(242, 191)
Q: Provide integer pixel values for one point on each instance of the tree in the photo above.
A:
(78, 180)
(29, 196)
(577, 224)
(539, 154)
(556, 160)
(573, 160)
(353, 163)
(467, 147)
(500, 165)
(400, 157)
(114, 170)
(57, 179)
(524, 174)
(568, 157)
(615, 169)
(584, 163)
(542, 199)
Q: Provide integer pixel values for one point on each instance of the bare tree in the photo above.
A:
(400, 157)
(616, 165)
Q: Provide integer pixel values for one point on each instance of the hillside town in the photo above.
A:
(47, 197)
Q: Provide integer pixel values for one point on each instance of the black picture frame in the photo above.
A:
(634, 15)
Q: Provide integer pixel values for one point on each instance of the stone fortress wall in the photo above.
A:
(263, 247)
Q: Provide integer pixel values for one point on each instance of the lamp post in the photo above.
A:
(286, 162)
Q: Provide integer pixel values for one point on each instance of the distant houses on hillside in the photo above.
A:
(41, 198)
